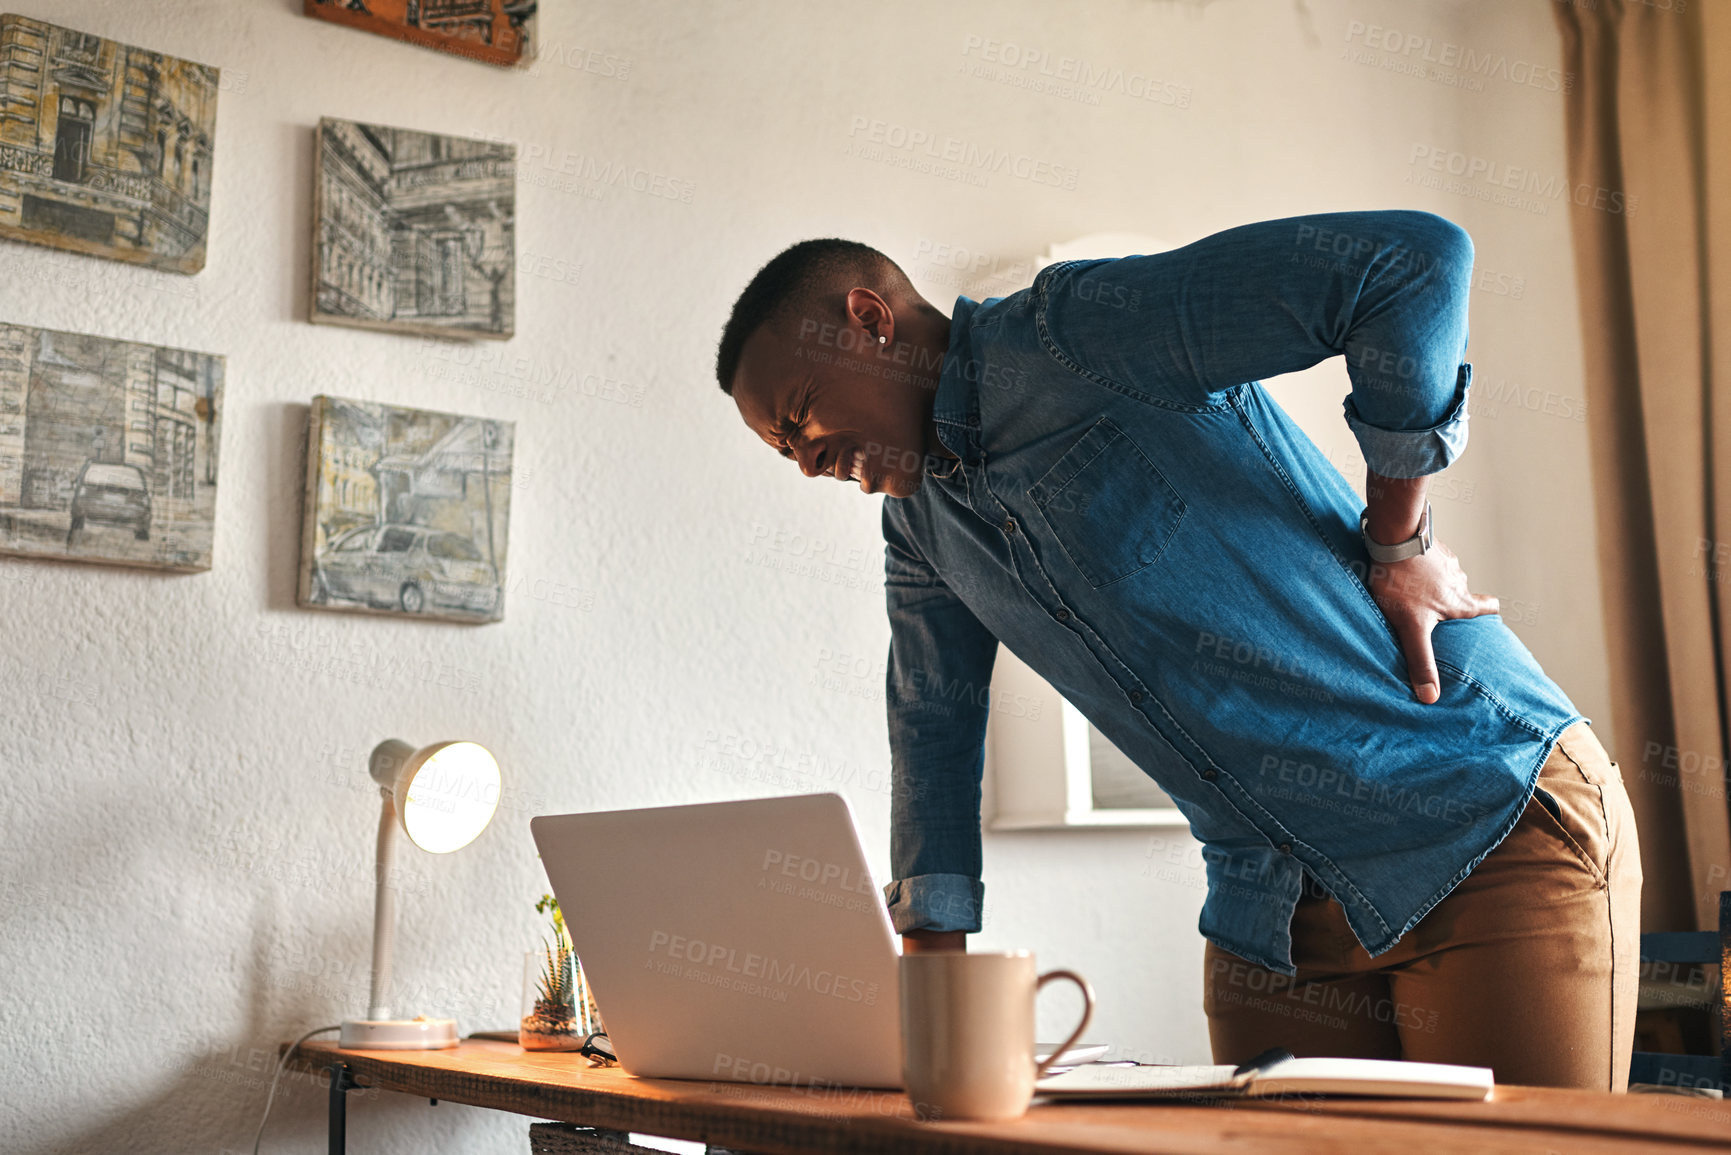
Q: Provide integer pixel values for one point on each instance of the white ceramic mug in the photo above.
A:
(968, 1032)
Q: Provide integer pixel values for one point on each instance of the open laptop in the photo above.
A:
(740, 941)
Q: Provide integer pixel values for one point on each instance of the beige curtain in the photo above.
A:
(1649, 137)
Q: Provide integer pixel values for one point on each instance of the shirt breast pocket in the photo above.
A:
(1110, 508)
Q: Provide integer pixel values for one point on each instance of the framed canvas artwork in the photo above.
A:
(108, 449)
(494, 31)
(104, 148)
(407, 511)
(414, 232)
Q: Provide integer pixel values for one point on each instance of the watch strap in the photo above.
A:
(1413, 546)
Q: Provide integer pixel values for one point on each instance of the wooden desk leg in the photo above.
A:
(342, 1082)
(568, 1139)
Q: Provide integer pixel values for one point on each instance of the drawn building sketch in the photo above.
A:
(407, 511)
(414, 231)
(496, 31)
(108, 449)
(104, 148)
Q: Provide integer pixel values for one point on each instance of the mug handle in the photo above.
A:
(1087, 1014)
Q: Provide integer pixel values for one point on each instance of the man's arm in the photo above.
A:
(1394, 506)
(915, 941)
(1418, 592)
(1388, 290)
(936, 692)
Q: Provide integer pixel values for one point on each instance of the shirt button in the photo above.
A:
(1135, 697)
(1009, 525)
(1285, 848)
(1210, 774)
(1062, 615)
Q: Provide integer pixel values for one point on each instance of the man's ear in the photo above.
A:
(872, 315)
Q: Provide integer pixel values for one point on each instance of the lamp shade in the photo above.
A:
(446, 794)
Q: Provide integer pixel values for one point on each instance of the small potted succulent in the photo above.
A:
(558, 1011)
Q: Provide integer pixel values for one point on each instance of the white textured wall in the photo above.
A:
(187, 823)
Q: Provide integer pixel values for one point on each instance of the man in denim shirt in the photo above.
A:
(1090, 472)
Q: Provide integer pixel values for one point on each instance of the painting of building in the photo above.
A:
(104, 148)
(407, 511)
(108, 449)
(496, 31)
(416, 232)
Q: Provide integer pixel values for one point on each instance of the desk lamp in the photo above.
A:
(443, 796)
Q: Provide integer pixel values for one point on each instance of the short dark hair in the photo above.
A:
(797, 277)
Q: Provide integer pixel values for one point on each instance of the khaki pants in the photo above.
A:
(1528, 967)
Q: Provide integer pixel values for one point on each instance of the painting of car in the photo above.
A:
(409, 568)
(109, 450)
(407, 512)
(111, 495)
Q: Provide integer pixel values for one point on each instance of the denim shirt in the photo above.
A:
(1133, 516)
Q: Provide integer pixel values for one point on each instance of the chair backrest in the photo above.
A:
(1681, 946)
(1695, 946)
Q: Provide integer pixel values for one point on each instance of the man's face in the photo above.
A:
(833, 398)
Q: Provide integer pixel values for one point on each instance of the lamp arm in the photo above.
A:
(384, 909)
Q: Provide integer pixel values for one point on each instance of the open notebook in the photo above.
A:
(1276, 1074)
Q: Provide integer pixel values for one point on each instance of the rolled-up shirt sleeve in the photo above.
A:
(937, 691)
(1386, 289)
(1400, 452)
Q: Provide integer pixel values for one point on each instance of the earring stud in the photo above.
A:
(882, 340)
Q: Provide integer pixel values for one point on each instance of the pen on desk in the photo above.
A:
(1263, 1061)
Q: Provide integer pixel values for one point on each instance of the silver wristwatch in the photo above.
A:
(1418, 543)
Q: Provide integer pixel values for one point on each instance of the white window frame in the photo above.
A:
(1038, 765)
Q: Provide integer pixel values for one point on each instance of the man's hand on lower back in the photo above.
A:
(1416, 594)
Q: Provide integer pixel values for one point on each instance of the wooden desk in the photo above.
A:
(786, 1121)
